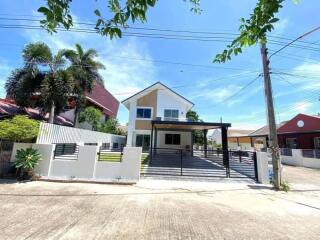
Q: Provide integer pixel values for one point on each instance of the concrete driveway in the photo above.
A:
(157, 209)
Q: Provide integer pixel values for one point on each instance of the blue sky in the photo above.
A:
(133, 63)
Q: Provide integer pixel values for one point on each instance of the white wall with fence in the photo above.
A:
(51, 133)
(301, 157)
(90, 164)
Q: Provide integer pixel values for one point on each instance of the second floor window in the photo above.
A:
(144, 113)
(171, 114)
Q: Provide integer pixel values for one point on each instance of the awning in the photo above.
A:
(180, 125)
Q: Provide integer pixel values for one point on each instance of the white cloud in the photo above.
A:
(217, 94)
(281, 25)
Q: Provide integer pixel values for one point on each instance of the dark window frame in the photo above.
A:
(172, 139)
(144, 113)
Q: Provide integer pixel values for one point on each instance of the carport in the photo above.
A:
(205, 162)
(190, 126)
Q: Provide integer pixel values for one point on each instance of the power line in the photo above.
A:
(153, 28)
(298, 38)
(158, 36)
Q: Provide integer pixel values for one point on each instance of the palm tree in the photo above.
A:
(85, 71)
(42, 75)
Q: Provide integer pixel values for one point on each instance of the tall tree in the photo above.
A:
(85, 71)
(42, 81)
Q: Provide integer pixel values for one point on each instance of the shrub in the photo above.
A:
(19, 129)
(27, 159)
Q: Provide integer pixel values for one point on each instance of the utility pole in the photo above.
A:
(273, 139)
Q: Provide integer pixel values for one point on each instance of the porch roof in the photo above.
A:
(180, 125)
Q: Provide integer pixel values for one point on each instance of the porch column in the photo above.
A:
(251, 141)
(225, 152)
(192, 142)
(151, 142)
(205, 131)
(267, 141)
(155, 140)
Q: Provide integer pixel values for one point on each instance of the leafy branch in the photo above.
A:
(253, 30)
(57, 13)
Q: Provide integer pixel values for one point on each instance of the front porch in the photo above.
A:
(185, 130)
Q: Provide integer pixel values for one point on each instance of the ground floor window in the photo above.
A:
(317, 142)
(143, 140)
(172, 139)
(292, 143)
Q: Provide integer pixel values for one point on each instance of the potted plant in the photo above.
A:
(26, 160)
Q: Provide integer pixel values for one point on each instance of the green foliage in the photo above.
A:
(198, 134)
(27, 159)
(284, 186)
(111, 126)
(254, 29)
(19, 129)
(84, 67)
(91, 115)
(57, 13)
(193, 115)
(42, 73)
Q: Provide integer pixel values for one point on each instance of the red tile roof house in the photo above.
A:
(301, 132)
(100, 98)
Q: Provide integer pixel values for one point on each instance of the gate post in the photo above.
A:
(225, 152)
(205, 132)
(180, 162)
(255, 165)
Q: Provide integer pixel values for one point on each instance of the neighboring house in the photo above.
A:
(157, 118)
(99, 98)
(302, 132)
(236, 138)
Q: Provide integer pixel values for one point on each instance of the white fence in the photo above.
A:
(51, 133)
(86, 166)
(301, 157)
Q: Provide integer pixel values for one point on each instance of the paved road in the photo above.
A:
(157, 209)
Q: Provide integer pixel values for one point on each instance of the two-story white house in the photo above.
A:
(157, 103)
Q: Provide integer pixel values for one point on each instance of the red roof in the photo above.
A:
(104, 99)
(9, 109)
(301, 123)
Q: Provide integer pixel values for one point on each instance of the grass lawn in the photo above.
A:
(110, 157)
(116, 157)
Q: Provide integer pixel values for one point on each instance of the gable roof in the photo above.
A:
(155, 86)
(264, 131)
(103, 98)
(310, 124)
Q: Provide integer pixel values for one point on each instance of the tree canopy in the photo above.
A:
(19, 129)
(92, 116)
(57, 14)
(43, 74)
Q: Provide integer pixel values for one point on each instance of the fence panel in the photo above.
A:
(51, 133)
(6, 148)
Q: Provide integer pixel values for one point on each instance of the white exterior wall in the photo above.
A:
(185, 139)
(81, 168)
(168, 100)
(165, 100)
(132, 123)
(298, 160)
(262, 167)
